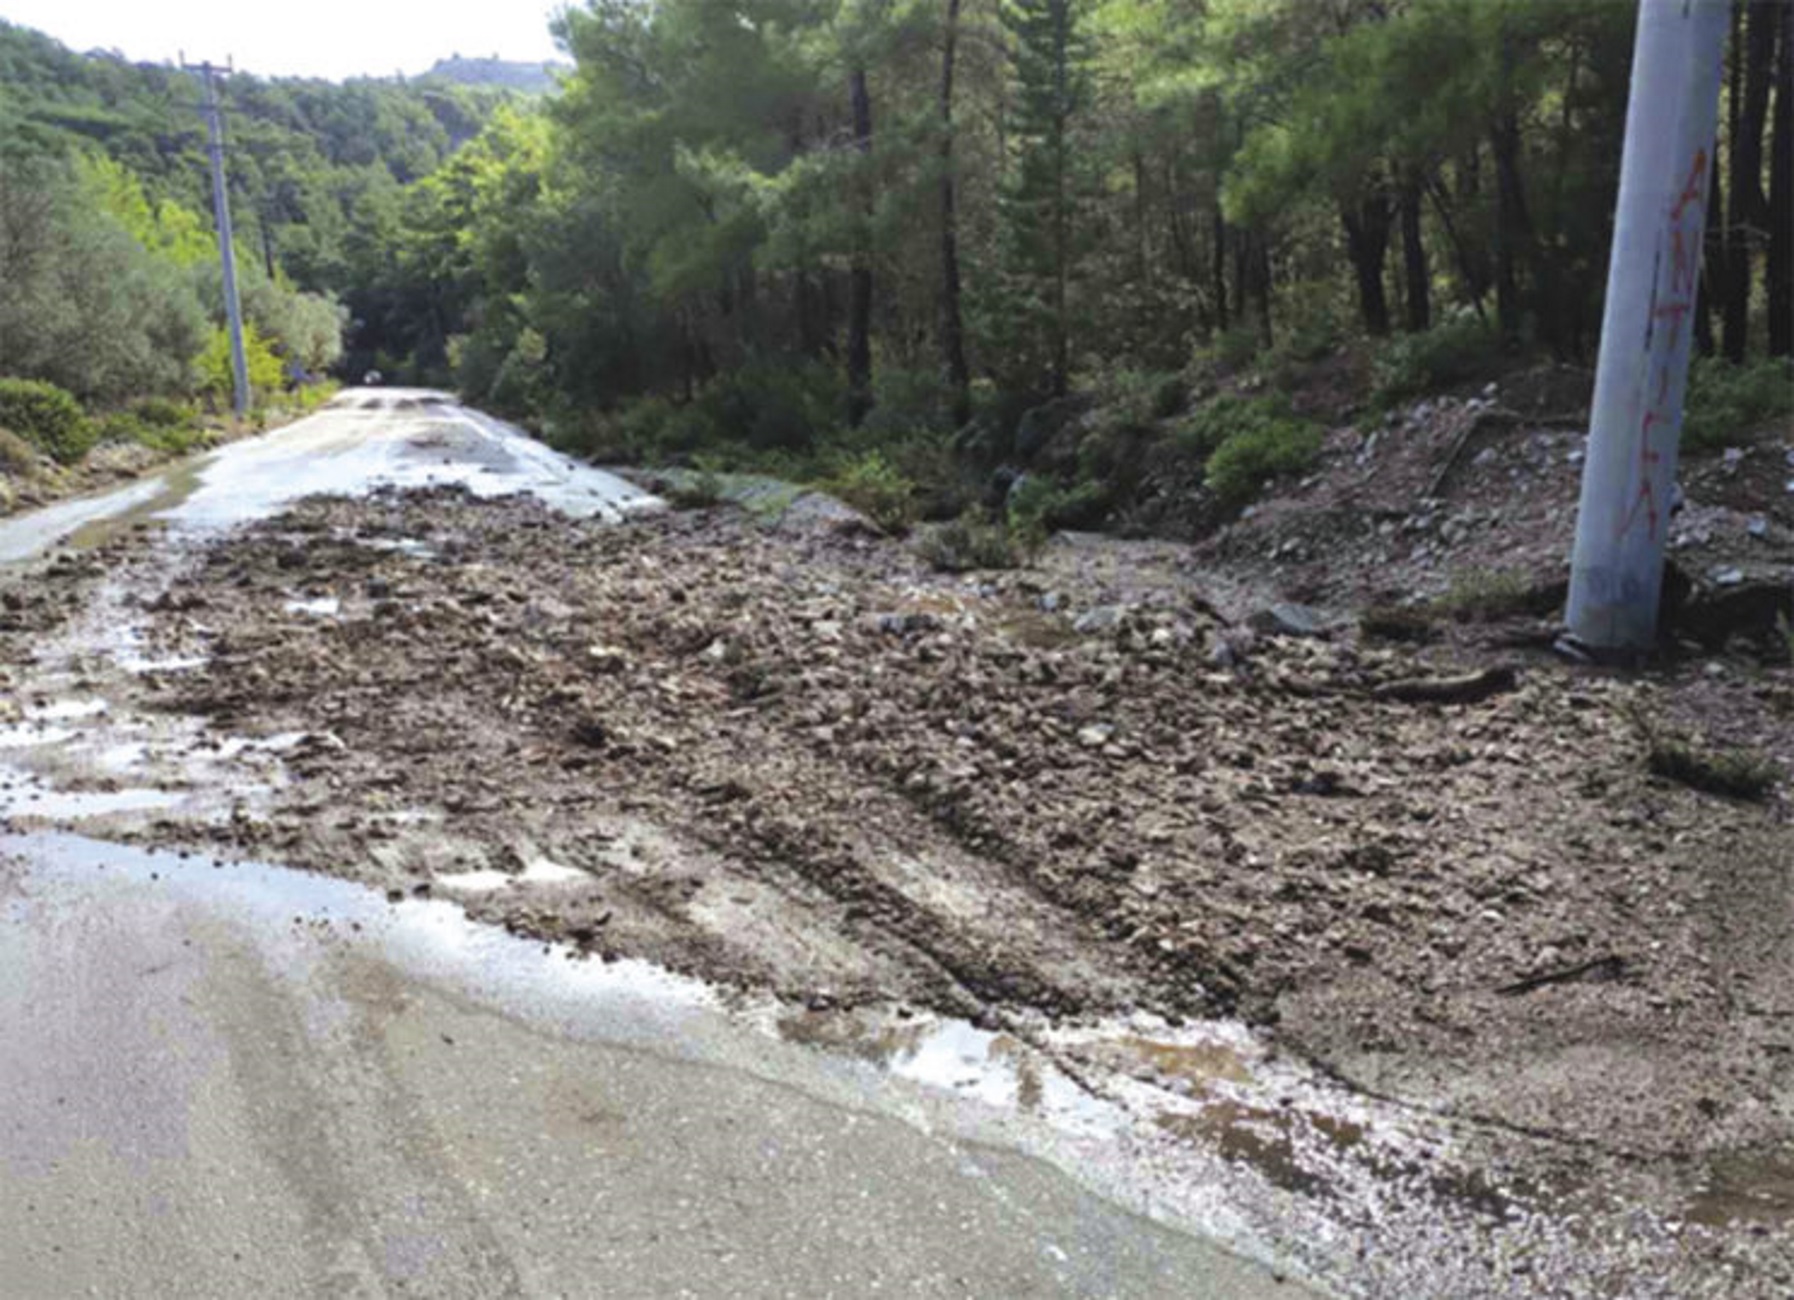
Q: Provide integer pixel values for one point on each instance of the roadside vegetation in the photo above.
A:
(1063, 263)
(1046, 263)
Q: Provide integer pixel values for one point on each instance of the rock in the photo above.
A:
(1288, 619)
(606, 659)
(1758, 526)
(1099, 618)
(1095, 735)
(1730, 577)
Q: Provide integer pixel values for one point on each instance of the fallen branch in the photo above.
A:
(1610, 967)
(1466, 689)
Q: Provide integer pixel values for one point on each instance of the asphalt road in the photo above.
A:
(232, 1080)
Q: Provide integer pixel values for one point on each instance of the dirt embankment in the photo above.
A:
(804, 762)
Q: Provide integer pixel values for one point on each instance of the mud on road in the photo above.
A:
(802, 763)
(805, 763)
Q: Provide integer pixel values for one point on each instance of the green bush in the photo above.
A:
(1454, 352)
(1258, 439)
(1727, 403)
(877, 489)
(970, 542)
(771, 405)
(1215, 421)
(164, 413)
(216, 378)
(1038, 507)
(1231, 349)
(46, 417)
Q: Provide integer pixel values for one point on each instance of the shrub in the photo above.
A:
(1728, 403)
(1231, 349)
(771, 405)
(1454, 352)
(164, 413)
(17, 457)
(1246, 441)
(46, 417)
(967, 543)
(1038, 507)
(1240, 466)
(216, 379)
(877, 489)
(1212, 423)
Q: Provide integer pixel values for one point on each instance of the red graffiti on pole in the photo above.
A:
(1664, 337)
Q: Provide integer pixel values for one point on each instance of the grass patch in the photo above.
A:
(1731, 773)
(1486, 595)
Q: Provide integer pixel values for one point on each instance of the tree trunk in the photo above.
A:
(1781, 198)
(1260, 262)
(1512, 228)
(1367, 242)
(953, 337)
(1220, 268)
(859, 308)
(1711, 295)
(1476, 283)
(1749, 208)
(1415, 275)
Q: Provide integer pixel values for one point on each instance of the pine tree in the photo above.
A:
(1052, 59)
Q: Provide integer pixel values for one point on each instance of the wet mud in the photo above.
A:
(799, 764)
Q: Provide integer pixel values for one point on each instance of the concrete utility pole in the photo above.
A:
(233, 307)
(1616, 572)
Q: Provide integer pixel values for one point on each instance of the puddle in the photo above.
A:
(996, 1069)
(29, 800)
(1268, 1140)
(317, 607)
(409, 546)
(127, 649)
(28, 735)
(538, 871)
(67, 710)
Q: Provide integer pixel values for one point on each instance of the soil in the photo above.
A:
(1131, 778)
(802, 761)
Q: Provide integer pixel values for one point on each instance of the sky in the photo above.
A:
(314, 38)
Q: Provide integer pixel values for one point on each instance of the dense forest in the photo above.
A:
(887, 236)
(910, 238)
(109, 279)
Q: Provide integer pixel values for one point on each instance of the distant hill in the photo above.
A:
(528, 78)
